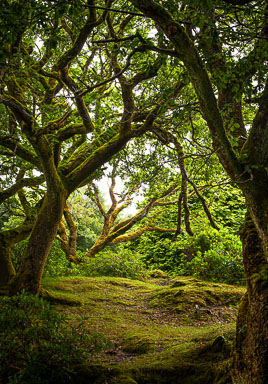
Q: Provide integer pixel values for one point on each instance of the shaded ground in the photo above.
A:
(162, 331)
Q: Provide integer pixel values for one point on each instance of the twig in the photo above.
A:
(115, 40)
(114, 10)
(89, 89)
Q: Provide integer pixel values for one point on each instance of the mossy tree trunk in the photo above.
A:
(250, 354)
(31, 268)
(251, 346)
(7, 270)
(68, 241)
(244, 160)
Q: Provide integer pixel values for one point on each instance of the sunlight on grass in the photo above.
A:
(153, 326)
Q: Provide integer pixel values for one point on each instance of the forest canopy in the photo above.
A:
(170, 96)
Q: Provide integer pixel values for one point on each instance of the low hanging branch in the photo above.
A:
(20, 183)
(140, 232)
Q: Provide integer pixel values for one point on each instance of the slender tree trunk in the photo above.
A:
(72, 256)
(31, 269)
(68, 242)
(250, 357)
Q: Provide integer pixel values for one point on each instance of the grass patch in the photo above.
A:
(162, 330)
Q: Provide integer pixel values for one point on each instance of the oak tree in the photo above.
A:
(71, 98)
(223, 46)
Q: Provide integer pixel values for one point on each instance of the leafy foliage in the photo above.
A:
(211, 254)
(229, 208)
(218, 257)
(160, 252)
(123, 263)
(37, 345)
(39, 47)
(185, 73)
(87, 218)
(57, 264)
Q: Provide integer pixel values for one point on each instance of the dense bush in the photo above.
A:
(210, 254)
(57, 263)
(123, 263)
(37, 346)
(168, 255)
(216, 266)
(218, 257)
(162, 251)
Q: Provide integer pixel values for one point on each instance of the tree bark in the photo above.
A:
(7, 270)
(99, 245)
(31, 269)
(250, 354)
(7, 240)
(68, 242)
(104, 241)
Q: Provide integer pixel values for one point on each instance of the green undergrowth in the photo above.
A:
(162, 330)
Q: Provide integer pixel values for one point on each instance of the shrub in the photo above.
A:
(218, 257)
(161, 252)
(37, 345)
(217, 267)
(123, 263)
(57, 264)
(210, 254)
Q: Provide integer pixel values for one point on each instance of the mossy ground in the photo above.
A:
(162, 330)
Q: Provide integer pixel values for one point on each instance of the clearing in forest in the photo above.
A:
(162, 331)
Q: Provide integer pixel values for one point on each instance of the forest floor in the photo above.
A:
(175, 331)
